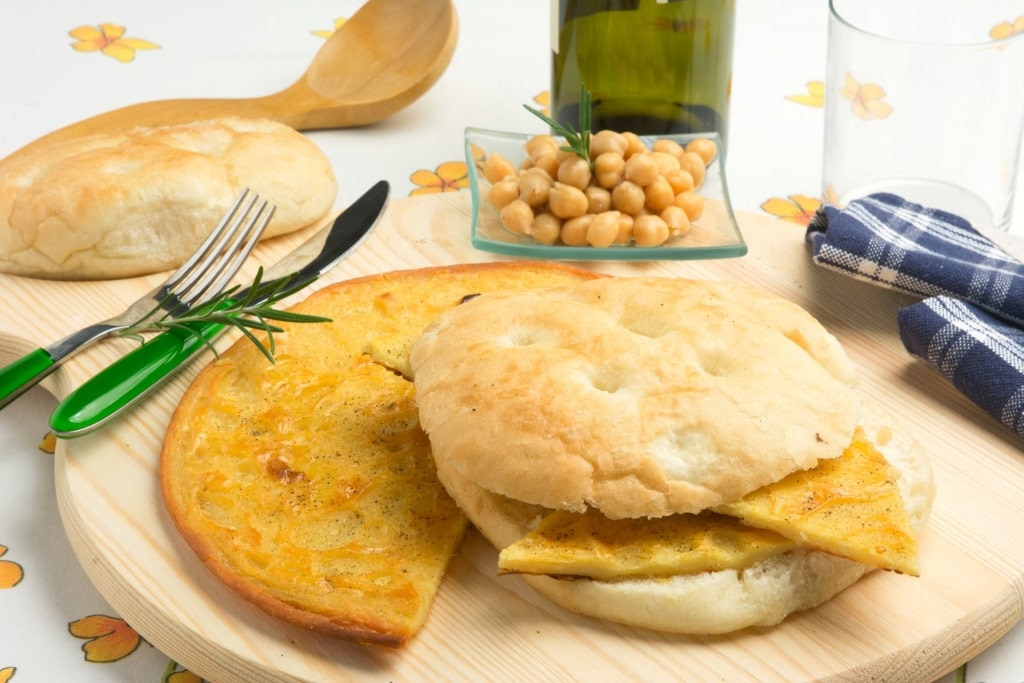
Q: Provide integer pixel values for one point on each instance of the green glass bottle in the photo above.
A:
(652, 66)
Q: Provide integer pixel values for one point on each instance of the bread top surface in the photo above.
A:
(120, 205)
(637, 396)
(306, 485)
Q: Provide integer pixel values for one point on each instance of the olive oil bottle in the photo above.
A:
(651, 66)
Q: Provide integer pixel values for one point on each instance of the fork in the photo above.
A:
(208, 270)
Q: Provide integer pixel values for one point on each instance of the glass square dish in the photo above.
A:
(714, 235)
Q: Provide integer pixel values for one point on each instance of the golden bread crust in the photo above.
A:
(307, 485)
(138, 202)
(636, 396)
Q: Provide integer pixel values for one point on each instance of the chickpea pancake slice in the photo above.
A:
(589, 544)
(307, 485)
(850, 506)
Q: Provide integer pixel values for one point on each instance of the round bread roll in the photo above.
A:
(640, 397)
(713, 602)
(138, 202)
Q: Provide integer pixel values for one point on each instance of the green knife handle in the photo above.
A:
(129, 380)
(23, 374)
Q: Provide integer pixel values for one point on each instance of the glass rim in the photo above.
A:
(834, 13)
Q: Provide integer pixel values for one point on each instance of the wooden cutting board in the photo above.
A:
(482, 627)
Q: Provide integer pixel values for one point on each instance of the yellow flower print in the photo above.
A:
(1007, 28)
(183, 677)
(11, 573)
(831, 196)
(49, 443)
(544, 100)
(866, 99)
(796, 208)
(173, 675)
(450, 176)
(109, 638)
(479, 156)
(814, 97)
(109, 39)
(7, 673)
(327, 34)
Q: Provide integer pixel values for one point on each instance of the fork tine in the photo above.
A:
(212, 244)
(236, 224)
(217, 276)
(242, 253)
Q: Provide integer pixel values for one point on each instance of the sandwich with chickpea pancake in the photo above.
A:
(685, 456)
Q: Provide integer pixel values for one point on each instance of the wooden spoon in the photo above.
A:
(378, 62)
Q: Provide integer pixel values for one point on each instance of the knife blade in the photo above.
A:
(137, 374)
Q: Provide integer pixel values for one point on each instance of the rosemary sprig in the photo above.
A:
(251, 312)
(576, 141)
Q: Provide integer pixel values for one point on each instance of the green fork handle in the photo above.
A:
(30, 369)
(24, 373)
(129, 379)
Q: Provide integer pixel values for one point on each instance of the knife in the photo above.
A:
(136, 375)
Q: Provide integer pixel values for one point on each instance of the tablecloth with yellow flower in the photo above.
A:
(66, 60)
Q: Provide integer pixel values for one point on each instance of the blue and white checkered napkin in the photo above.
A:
(969, 326)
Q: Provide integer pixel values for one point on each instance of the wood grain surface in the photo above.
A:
(484, 627)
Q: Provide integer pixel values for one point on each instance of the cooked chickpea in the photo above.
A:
(628, 197)
(574, 171)
(641, 169)
(634, 145)
(609, 168)
(540, 145)
(603, 230)
(598, 199)
(625, 235)
(704, 147)
(497, 167)
(574, 230)
(517, 216)
(690, 202)
(548, 163)
(534, 187)
(563, 154)
(692, 162)
(668, 146)
(503, 191)
(538, 170)
(676, 219)
(658, 195)
(545, 228)
(680, 180)
(607, 142)
(567, 201)
(649, 231)
(629, 193)
(665, 162)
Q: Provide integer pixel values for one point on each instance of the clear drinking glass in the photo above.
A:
(926, 100)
